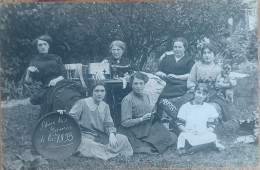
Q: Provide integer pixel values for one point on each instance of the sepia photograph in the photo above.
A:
(129, 85)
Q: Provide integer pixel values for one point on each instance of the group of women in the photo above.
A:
(189, 98)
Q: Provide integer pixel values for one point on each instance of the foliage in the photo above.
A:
(83, 31)
(26, 161)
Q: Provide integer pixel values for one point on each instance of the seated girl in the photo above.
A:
(196, 122)
(146, 134)
(99, 137)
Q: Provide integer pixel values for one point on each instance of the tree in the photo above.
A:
(83, 31)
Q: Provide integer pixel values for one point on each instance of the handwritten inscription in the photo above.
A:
(56, 131)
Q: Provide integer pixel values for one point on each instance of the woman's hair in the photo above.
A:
(138, 75)
(204, 87)
(209, 46)
(119, 44)
(181, 39)
(94, 85)
(46, 38)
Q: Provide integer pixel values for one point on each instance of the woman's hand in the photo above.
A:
(53, 82)
(160, 74)
(220, 85)
(172, 76)
(112, 140)
(145, 117)
(32, 69)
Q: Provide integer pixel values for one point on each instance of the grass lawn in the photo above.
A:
(18, 122)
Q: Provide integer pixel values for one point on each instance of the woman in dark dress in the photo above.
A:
(120, 65)
(175, 69)
(56, 93)
(146, 134)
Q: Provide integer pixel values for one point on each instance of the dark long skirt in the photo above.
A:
(149, 136)
(62, 96)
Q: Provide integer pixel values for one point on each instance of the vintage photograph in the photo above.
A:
(129, 85)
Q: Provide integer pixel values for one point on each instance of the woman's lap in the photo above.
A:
(91, 148)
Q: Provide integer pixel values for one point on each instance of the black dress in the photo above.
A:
(174, 95)
(63, 95)
(169, 65)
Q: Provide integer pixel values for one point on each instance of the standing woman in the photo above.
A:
(99, 137)
(207, 72)
(56, 93)
(146, 134)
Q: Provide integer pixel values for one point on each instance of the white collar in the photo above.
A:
(93, 106)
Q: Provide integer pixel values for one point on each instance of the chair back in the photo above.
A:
(74, 72)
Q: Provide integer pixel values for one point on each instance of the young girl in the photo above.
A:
(196, 122)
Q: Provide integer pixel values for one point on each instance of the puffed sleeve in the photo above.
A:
(108, 122)
(218, 79)
(126, 111)
(191, 82)
(182, 115)
(77, 109)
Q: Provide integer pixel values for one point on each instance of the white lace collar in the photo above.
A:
(93, 106)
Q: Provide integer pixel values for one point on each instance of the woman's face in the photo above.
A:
(199, 96)
(117, 52)
(178, 49)
(208, 56)
(43, 46)
(99, 93)
(138, 85)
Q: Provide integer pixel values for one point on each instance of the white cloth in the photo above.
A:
(153, 88)
(196, 118)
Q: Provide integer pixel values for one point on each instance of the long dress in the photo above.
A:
(174, 95)
(96, 125)
(63, 95)
(196, 119)
(169, 65)
(208, 74)
(144, 136)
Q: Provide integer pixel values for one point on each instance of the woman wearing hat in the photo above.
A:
(56, 93)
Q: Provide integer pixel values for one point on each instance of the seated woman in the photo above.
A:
(56, 93)
(207, 72)
(99, 137)
(196, 122)
(120, 65)
(175, 69)
(145, 134)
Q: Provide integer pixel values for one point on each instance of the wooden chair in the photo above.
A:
(75, 72)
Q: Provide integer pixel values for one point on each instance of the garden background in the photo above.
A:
(82, 33)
